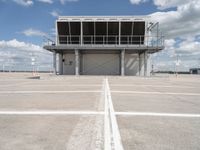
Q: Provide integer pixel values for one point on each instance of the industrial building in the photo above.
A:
(105, 45)
(195, 71)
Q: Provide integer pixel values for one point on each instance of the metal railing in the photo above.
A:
(139, 40)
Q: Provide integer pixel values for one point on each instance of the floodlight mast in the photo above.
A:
(177, 63)
(33, 63)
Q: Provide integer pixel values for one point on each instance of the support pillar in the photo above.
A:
(119, 33)
(122, 62)
(145, 63)
(54, 62)
(81, 37)
(60, 63)
(77, 62)
(140, 64)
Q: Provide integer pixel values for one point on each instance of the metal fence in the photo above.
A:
(139, 40)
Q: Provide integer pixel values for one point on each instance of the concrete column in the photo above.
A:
(54, 62)
(60, 63)
(122, 62)
(145, 63)
(81, 37)
(140, 63)
(119, 33)
(77, 62)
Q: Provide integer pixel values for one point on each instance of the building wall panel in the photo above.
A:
(131, 64)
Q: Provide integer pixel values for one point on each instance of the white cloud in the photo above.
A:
(31, 2)
(24, 2)
(189, 47)
(55, 13)
(136, 2)
(33, 32)
(64, 1)
(187, 52)
(20, 45)
(182, 23)
(163, 4)
(17, 54)
(46, 1)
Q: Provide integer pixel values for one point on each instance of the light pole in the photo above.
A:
(33, 64)
(177, 63)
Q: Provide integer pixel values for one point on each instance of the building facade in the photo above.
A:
(104, 45)
(195, 71)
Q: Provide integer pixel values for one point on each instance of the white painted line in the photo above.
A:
(158, 93)
(16, 84)
(147, 85)
(116, 137)
(157, 114)
(46, 92)
(64, 85)
(43, 112)
(107, 129)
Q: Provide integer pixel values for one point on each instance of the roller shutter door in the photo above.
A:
(100, 64)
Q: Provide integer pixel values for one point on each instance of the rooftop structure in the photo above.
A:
(195, 71)
(103, 45)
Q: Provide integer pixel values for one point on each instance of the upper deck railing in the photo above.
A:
(99, 40)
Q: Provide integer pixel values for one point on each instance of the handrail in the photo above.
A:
(141, 40)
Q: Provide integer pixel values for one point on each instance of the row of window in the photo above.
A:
(101, 32)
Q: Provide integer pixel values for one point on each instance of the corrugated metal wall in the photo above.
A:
(100, 64)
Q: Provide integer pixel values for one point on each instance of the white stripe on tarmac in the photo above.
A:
(107, 128)
(51, 113)
(46, 92)
(98, 113)
(116, 137)
(157, 114)
(158, 93)
(147, 85)
(16, 84)
(64, 85)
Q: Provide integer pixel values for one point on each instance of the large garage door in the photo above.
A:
(100, 64)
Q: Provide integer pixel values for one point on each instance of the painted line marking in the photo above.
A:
(116, 137)
(107, 128)
(16, 84)
(65, 85)
(47, 92)
(42, 112)
(157, 114)
(147, 85)
(51, 112)
(159, 93)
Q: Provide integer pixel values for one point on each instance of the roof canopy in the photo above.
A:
(103, 18)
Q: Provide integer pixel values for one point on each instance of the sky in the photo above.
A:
(24, 23)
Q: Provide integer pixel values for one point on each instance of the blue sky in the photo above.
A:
(24, 22)
(17, 18)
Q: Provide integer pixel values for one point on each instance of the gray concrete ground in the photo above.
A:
(80, 131)
(159, 133)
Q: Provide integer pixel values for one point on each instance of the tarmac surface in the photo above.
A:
(99, 112)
